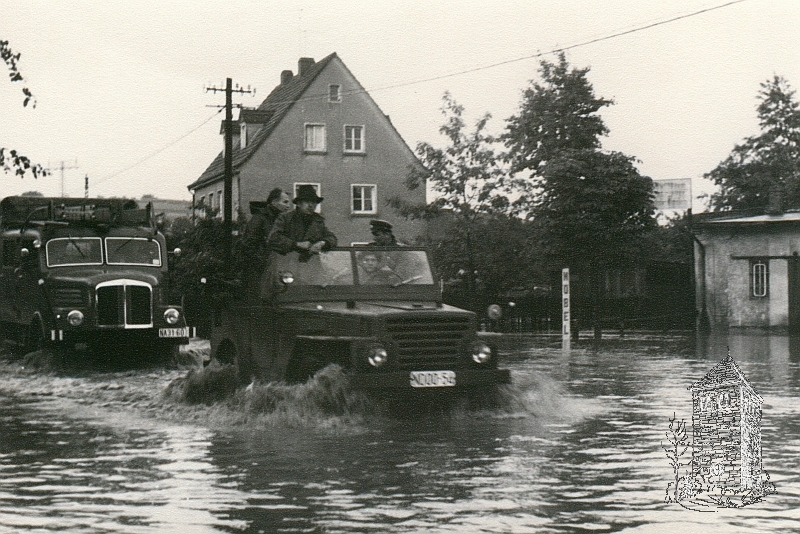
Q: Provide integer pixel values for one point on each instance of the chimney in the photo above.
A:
(775, 202)
(304, 65)
(286, 76)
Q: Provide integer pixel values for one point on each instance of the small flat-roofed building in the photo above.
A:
(747, 271)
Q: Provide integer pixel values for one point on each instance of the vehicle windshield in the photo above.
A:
(133, 251)
(393, 267)
(372, 267)
(74, 251)
(325, 269)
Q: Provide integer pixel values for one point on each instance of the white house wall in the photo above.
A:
(727, 252)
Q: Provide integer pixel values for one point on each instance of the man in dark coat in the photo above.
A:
(302, 230)
(382, 233)
(254, 240)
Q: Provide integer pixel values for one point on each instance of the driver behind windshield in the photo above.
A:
(372, 270)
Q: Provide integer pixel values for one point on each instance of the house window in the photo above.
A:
(210, 203)
(354, 139)
(315, 138)
(364, 198)
(759, 278)
(243, 135)
(334, 93)
(316, 187)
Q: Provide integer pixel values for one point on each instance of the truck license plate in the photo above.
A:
(432, 379)
(173, 332)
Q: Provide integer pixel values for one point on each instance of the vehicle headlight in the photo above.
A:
(172, 315)
(287, 278)
(481, 352)
(377, 356)
(75, 318)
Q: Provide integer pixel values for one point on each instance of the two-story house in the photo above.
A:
(319, 127)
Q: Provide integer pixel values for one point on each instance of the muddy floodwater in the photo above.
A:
(575, 446)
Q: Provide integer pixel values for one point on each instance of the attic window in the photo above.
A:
(334, 93)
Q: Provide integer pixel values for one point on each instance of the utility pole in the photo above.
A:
(62, 167)
(228, 179)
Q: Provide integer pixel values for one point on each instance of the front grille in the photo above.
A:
(69, 297)
(428, 342)
(124, 305)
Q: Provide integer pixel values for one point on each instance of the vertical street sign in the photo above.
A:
(565, 319)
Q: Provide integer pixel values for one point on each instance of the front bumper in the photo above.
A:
(401, 380)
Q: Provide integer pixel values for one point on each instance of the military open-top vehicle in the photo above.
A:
(375, 311)
(83, 274)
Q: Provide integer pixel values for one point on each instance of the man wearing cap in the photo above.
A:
(302, 230)
(382, 233)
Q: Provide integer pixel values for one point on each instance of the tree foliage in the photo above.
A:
(467, 180)
(590, 207)
(766, 163)
(10, 159)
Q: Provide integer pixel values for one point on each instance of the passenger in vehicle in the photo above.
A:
(382, 233)
(302, 230)
(372, 271)
(255, 248)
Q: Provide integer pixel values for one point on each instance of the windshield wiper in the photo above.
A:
(407, 281)
(75, 244)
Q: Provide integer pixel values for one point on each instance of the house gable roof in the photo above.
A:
(726, 372)
(274, 108)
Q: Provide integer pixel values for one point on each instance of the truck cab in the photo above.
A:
(85, 274)
(375, 311)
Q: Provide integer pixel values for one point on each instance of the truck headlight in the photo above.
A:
(75, 318)
(481, 352)
(377, 356)
(287, 278)
(171, 316)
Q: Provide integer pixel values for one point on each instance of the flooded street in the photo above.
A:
(574, 447)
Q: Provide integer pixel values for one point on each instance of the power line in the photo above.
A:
(139, 162)
(532, 56)
(452, 74)
(563, 48)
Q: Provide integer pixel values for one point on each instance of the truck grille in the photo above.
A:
(428, 342)
(68, 297)
(124, 305)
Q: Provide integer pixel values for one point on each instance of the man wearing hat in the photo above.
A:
(302, 230)
(382, 233)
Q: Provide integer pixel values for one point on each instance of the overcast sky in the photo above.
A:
(120, 86)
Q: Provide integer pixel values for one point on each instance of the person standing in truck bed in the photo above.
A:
(302, 230)
(256, 233)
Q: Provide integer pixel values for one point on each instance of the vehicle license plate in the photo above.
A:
(173, 332)
(432, 379)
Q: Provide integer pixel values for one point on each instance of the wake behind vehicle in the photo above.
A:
(83, 275)
(375, 311)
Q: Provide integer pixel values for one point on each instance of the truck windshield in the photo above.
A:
(74, 251)
(133, 251)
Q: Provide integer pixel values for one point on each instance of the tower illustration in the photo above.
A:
(726, 429)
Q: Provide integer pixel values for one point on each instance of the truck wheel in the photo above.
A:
(49, 354)
(226, 355)
(302, 365)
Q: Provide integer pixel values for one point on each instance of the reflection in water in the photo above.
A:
(575, 447)
(58, 474)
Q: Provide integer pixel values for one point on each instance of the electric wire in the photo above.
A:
(449, 75)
